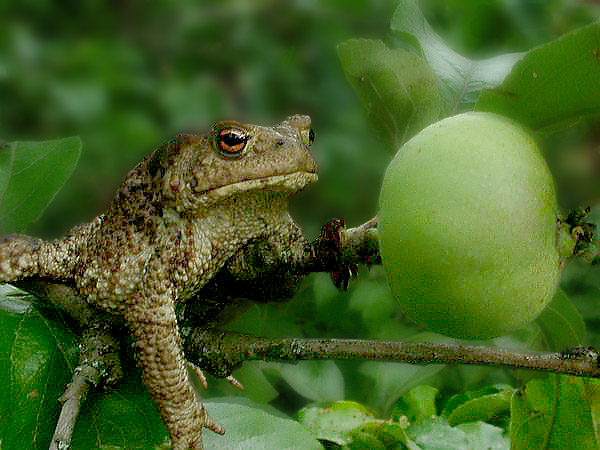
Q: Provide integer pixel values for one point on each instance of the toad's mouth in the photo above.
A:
(288, 183)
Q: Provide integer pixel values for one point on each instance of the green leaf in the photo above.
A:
(335, 424)
(488, 404)
(390, 435)
(436, 434)
(32, 174)
(125, 417)
(365, 441)
(128, 418)
(418, 403)
(349, 404)
(561, 323)
(396, 87)
(553, 412)
(459, 399)
(38, 354)
(552, 83)
(349, 423)
(248, 427)
(461, 79)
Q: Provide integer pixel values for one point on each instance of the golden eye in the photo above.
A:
(230, 142)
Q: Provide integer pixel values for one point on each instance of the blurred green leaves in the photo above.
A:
(561, 324)
(461, 79)
(390, 381)
(315, 380)
(404, 92)
(31, 173)
(553, 83)
(128, 77)
(397, 88)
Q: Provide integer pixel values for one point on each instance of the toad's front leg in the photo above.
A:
(158, 347)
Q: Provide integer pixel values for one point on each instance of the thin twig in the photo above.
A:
(99, 363)
(74, 396)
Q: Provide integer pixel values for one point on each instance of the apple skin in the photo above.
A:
(468, 227)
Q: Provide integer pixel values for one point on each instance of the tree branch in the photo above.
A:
(221, 352)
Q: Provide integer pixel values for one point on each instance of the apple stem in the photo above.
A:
(576, 237)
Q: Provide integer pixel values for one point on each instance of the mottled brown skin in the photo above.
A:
(178, 217)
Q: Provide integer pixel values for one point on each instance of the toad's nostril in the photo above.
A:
(279, 141)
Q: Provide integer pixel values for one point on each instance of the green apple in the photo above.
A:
(468, 226)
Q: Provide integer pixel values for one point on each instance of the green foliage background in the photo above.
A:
(126, 76)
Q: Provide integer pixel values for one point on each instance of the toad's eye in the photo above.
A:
(230, 142)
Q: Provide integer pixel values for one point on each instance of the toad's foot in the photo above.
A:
(329, 247)
(186, 430)
(202, 378)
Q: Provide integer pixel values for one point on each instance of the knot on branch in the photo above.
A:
(214, 351)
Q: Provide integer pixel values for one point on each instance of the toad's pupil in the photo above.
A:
(232, 139)
(231, 142)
